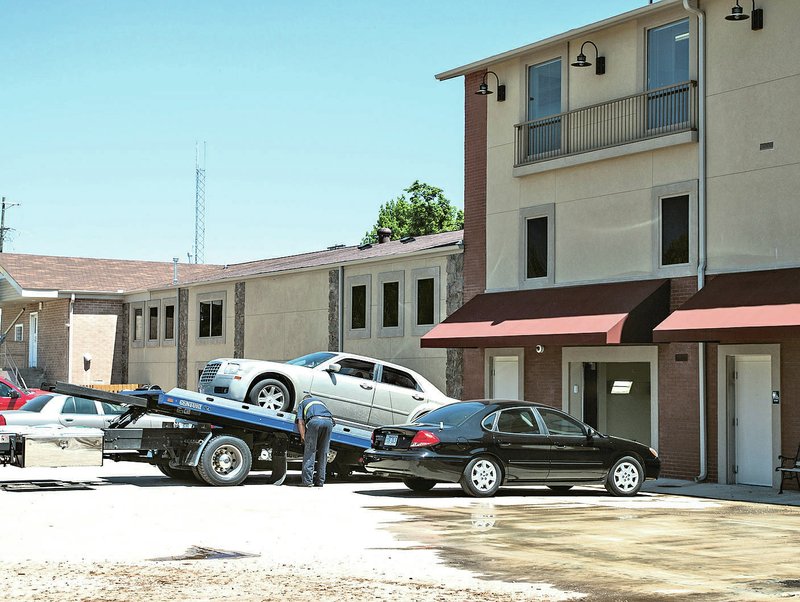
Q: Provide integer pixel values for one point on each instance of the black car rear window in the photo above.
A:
(37, 403)
(451, 415)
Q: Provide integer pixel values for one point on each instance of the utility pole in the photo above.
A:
(3, 228)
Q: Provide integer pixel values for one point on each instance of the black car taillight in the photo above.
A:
(424, 439)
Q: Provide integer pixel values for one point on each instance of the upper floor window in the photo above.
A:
(668, 65)
(169, 321)
(426, 299)
(359, 292)
(137, 325)
(537, 246)
(390, 301)
(19, 331)
(211, 317)
(544, 101)
(675, 230)
(152, 322)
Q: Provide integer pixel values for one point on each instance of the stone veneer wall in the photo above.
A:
(183, 336)
(454, 371)
(238, 320)
(333, 310)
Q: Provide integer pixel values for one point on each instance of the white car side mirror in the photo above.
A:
(333, 368)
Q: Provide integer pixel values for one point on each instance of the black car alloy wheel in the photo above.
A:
(625, 477)
(482, 477)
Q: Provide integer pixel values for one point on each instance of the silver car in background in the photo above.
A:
(67, 410)
(355, 388)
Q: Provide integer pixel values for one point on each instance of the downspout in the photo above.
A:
(69, 338)
(702, 255)
(341, 308)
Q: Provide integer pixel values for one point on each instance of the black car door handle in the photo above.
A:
(366, 386)
(560, 445)
(504, 444)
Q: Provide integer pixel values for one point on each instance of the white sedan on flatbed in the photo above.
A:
(355, 388)
(67, 410)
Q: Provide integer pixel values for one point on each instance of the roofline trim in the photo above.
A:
(567, 35)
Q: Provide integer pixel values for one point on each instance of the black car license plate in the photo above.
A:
(390, 441)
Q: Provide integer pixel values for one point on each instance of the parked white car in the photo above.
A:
(355, 388)
(66, 410)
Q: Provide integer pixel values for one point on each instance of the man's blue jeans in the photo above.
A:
(318, 442)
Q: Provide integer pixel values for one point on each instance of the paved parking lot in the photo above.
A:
(130, 533)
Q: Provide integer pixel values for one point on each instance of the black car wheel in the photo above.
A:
(482, 477)
(271, 394)
(625, 477)
(415, 484)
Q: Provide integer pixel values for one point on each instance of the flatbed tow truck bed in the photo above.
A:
(219, 441)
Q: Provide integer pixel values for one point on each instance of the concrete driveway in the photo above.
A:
(131, 533)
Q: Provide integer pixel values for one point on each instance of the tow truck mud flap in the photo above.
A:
(53, 447)
(280, 446)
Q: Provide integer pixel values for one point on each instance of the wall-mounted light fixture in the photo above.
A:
(756, 16)
(484, 90)
(600, 61)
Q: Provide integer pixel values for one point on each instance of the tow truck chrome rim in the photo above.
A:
(483, 475)
(271, 397)
(226, 460)
(626, 477)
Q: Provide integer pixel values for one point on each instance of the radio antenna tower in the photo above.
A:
(199, 205)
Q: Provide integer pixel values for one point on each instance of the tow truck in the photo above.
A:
(218, 441)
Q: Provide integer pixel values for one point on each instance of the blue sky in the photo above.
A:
(314, 114)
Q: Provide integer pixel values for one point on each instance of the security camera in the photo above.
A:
(539, 348)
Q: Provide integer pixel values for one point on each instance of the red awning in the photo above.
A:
(748, 307)
(598, 314)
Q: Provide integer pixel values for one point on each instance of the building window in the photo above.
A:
(544, 107)
(137, 325)
(211, 317)
(667, 66)
(152, 322)
(19, 331)
(169, 322)
(675, 230)
(537, 235)
(358, 306)
(426, 299)
(391, 303)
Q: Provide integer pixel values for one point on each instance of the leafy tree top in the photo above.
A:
(421, 209)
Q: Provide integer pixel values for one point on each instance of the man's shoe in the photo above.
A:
(317, 484)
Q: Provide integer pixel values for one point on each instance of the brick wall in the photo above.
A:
(98, 330)
(474, 219)
(543, 376)
(678, 413)
(790, 397)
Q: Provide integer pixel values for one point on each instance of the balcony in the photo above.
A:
(645, 116)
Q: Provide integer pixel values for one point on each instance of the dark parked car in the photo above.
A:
(484, 444)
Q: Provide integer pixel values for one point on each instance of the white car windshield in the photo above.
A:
(312, 360)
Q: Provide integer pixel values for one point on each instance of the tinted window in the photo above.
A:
(37, 403)
(425, 291)
(312, 360)
(357, 368)
(79, 405)
(138, 324)
(169, 322)
(393, 376)
(211, 318)
(453, 414)
(517, 420)
(358, 307)
(391, 297)
(152, 324)
(537, 248)
(675, 230)
(488, 422)
(112, 408)
(561, 424)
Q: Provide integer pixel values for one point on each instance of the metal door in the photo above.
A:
(505, 377)
(33, 341)
(753, 420)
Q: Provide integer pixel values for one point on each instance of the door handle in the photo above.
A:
(69, 420)
(365, 386)
(560, 445)
(504, 444)
(417, 397)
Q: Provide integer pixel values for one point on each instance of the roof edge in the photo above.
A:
(572, 33)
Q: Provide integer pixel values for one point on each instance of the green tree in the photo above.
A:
(421, 209)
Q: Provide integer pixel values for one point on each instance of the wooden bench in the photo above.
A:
(790, 468)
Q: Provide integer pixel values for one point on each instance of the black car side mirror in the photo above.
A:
(590, 432)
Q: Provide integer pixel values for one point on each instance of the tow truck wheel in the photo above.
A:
(225, 461)
(271, 394)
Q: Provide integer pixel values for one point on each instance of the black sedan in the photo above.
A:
(484, 444)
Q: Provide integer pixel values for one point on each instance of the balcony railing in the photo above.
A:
(650, 114)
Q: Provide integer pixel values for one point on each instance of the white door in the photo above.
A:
(33, 340)
(505, 377)
(753, 424)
